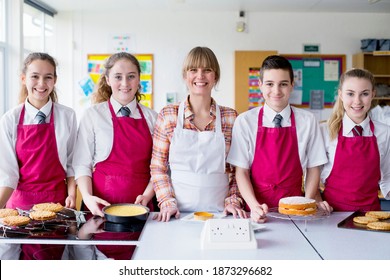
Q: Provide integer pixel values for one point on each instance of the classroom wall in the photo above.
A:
(170, 35)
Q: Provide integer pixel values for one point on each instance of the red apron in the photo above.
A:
(353, 182)
(276, 170)
(126, 172)
(41, 175)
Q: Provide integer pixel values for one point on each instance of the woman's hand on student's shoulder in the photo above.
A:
(165, 214)
(235, 210)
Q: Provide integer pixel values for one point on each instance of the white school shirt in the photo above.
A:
(382, 133)
(95, 134)
(310, 143)
(65, 125)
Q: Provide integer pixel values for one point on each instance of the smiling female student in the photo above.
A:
(114, 144)
(358, 148)
(276, 145)
(191, 141)
(37, 141)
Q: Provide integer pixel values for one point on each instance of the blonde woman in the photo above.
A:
(192, 139)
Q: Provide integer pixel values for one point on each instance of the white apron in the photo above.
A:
(197, 163)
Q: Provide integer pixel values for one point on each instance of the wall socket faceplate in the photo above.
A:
(228, 234)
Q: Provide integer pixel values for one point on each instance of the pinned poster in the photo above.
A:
(87, 85)
(119, 43)
(96, 68)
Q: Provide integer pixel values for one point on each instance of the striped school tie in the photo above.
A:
(278, 120)
(40, 118)
(125, 111)
(357, 130)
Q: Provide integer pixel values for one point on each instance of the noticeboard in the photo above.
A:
(316, 79)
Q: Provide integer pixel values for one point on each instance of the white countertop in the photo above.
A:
(281, 239)
(334, 243)
(179, 239)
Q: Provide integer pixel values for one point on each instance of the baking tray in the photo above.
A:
(348, 223)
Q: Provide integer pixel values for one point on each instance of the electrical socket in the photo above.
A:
(228, 234)
(229, 230)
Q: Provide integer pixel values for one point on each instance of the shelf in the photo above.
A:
(378, 63)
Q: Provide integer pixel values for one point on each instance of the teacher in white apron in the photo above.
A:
(190, 143)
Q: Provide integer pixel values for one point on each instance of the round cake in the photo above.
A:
(125, 210)
(297, 205)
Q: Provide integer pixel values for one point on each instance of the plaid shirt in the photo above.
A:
(162, 136)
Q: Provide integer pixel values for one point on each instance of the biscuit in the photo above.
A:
(381, 215)
(16, 220)
(42, 215)
(364, 220)
(6, 212)
(48, 206)
(379, 226)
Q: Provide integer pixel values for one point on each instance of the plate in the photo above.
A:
(190, 217)
(320, 214)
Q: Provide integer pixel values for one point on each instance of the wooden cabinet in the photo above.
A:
(378, 63)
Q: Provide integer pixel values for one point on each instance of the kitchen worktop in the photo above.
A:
(277, 239)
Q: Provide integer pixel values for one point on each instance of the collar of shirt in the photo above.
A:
(188, 114)
(132, 106)
(349, 124)
(31, 111)
(270, 114)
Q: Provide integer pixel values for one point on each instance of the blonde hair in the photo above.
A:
(30, 59)
(104, 91)
(202, 57)
(336, 118)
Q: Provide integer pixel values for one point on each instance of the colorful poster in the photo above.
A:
(255, 96)
(96, 67)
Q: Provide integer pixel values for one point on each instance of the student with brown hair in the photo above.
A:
(37, 140)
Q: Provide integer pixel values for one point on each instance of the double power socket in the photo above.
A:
(228, 234)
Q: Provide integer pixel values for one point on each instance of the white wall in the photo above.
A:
(170, 35)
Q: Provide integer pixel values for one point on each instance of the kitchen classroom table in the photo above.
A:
(178, 239)
(280, 239)
(333, 243)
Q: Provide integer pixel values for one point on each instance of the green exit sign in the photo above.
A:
(311, 48)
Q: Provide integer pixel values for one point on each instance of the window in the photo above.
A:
(3, 96)
(38, 30)
(2, 21)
